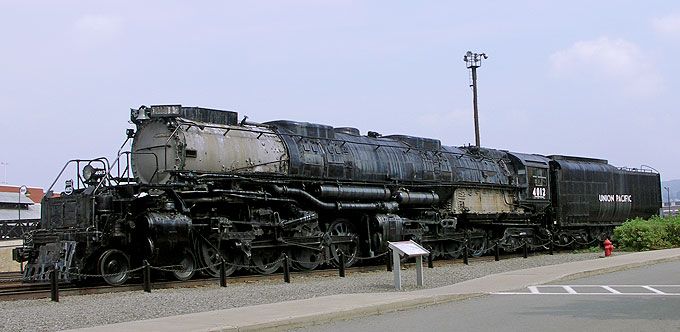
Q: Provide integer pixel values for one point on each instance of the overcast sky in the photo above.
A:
(586, 78)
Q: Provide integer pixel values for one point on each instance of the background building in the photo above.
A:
(18, 212)
(672, 208)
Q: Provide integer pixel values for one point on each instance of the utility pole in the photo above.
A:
(473, 61)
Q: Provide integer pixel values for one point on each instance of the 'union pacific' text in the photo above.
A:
(616, 198)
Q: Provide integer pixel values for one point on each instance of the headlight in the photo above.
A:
(92, 174)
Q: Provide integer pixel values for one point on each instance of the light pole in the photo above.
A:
(668, 197)
(22, 191)
(473, 61)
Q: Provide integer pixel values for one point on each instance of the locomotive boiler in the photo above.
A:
(197, 187)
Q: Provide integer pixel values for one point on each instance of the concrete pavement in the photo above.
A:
(291, 314)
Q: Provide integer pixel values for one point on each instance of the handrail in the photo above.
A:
(641, 170)
(103, 160)
(107, 166)
(110, 168)
(128, 168)
(650, 167)
(256, 131)
(398, 144)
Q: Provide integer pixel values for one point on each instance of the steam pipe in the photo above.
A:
(417, 198)
(285, 191)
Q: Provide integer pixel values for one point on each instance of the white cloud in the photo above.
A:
(98, 26)
(617, 62)
(668, 25)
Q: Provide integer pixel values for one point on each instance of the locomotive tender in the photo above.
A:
(198, 186)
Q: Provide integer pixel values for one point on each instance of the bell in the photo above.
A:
(140, 114)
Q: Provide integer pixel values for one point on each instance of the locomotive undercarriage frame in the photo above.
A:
(583, 236)
(262, 245)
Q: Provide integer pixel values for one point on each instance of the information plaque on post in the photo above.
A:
(408, 249)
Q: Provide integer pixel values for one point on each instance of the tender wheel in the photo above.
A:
(266, 261)
(349, 246)
(188, 269)
(114, 265)
(209, 258)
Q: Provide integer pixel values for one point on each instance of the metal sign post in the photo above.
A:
(408, 249)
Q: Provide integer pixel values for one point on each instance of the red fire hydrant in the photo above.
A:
(608, 248)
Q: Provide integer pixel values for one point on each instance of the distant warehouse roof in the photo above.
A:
(36, 193)
(9, 211)
(33, 213)
(13, 198)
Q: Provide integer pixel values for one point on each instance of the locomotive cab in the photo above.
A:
(533, 177)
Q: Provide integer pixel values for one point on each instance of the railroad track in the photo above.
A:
(19, 291)
(9, 276)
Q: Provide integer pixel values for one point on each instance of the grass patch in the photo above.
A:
(655, 233)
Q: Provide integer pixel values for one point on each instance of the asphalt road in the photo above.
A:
(642, 299)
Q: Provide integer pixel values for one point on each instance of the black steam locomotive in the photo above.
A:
(197, 186)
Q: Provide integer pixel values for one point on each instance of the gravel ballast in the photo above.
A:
(100, 309)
